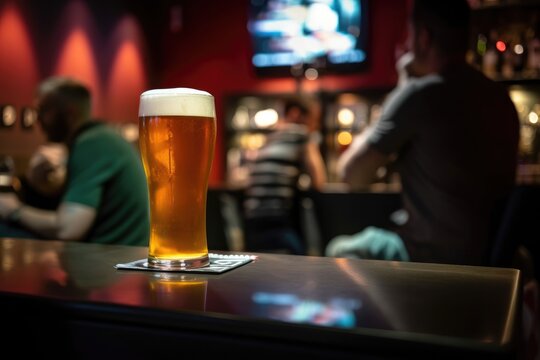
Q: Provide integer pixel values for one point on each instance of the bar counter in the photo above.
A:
(67, 299)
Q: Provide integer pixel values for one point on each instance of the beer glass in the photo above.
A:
(177, 134)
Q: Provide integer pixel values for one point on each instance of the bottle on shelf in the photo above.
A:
(491, 59)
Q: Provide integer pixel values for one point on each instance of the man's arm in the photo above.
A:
(46, 172)
(358, 165)
(70, 222)
(315, 165)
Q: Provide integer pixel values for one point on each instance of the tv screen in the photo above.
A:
(289, 36)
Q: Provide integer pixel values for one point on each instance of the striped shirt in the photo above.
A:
(273, 175)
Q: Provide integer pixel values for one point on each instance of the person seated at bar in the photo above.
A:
(454, 134)
(271, 200)
(105, 198)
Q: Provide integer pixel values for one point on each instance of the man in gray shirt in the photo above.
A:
(454, 135)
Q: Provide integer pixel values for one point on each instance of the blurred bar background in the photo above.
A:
(121, 48)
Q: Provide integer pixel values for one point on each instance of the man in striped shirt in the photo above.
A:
(271, 197)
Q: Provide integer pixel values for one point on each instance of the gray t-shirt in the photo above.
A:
(456, 137)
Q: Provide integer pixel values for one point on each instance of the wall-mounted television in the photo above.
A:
(292, 35)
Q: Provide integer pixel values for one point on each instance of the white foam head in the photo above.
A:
(177, 101)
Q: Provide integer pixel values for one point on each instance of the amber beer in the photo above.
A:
(178, 292)
(177, 132)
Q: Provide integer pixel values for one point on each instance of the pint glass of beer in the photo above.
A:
(177, 133)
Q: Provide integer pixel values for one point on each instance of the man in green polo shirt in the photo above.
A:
(105, 199)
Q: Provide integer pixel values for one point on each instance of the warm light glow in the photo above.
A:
(345, 117)
(266, 118)
(28, 117)
(518, 49)
(241, 118)
(9, 115)
(17, 61)
(526, 138)
(501, 46)
(311, 74)
(521, 108)
(126, 83)
(77, 60)
(127, 79)
(344, 138)
(533, 117)
(252, 141)
(130, 132)
(520, 96)
(7, 258)
(76, 56)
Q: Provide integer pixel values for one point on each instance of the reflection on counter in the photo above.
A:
(337, 311)
(183, 291)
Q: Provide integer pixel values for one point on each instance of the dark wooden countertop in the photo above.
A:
(324, 305)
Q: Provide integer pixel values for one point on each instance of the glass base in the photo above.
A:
(165, 264)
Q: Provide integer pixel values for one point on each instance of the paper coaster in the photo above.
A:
(219, 263)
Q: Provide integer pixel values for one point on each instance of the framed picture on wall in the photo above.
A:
(9, 116)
